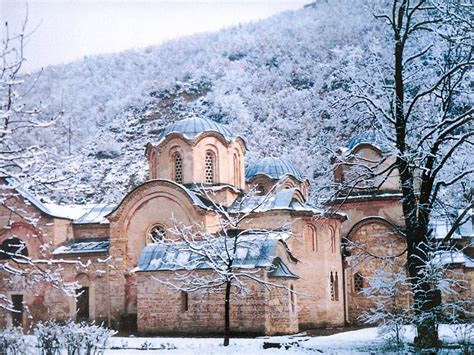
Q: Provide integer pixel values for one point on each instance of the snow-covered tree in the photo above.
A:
(419, 99)
(392, 294)
(21, 165)
(227, 261)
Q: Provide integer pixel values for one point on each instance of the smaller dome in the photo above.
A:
(275, 168)
(192, 127)
(370, 137)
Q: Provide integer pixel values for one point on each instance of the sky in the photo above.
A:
(66, 30)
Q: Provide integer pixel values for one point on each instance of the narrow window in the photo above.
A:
(333, 240)
(358, 282)
(82, 303)
(178, 168)
(209, 168)
(17, 312)
(236, 172)
(184, 301)
(292, 299)
(260, 190)
(336, 287)
(157, 234)
(332, 286)
(310, 237)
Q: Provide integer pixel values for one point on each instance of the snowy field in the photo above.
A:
(363, 341)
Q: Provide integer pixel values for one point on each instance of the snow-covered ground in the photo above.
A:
(351, 342)
(362, 341)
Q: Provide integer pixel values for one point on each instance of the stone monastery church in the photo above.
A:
(195, 165)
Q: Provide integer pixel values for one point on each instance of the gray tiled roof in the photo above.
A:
(253, 251)
(371, 137)
(192, 127)
(96, 214)
(275, 168)
(281, 200)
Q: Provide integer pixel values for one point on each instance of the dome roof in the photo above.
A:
(192, 127)
(370, 137)
(275, 168)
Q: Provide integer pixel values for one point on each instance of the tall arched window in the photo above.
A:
(310, 237)
(332, 241)
(236, 171)
(11, 248)
(210, 167)
(157, 234)
(178, 168)
(333, 283)
(292, 299)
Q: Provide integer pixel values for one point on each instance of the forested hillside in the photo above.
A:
(279, 83)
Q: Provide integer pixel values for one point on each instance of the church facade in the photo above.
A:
(115, 253)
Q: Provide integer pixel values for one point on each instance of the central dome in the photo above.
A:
(275, 168)
(192, 127)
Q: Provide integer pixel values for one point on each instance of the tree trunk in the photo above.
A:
(227, 313)
(426, 300)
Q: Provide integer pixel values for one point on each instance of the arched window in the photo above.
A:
(184, 301)
(292, 299)
(260, 190)
(310, 237)
(178, 168)
(210, 167)
(157, 234)
(236, 172)
(332, 240)
(358, 282)
(333, 284)
(12, 247)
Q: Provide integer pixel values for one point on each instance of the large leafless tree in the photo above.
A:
(419, 97)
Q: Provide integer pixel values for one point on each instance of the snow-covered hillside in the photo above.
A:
(276, 82)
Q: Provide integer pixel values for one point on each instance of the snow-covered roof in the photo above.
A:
(455, 257)
(466, 227)
(84, 247)
(95, 214)
(192, 127)
(54, 210)
(281, 200)
(275, 168)
(442, 226)
(255, 250)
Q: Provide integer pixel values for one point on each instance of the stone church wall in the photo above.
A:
(162, 311)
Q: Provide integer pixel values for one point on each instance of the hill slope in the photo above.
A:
(275, 82)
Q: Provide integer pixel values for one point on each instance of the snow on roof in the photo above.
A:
(441, 228)
(84, 247)
(454, 257)
(371, 137)
(282, 200)
(253, 251)
(275, 168)
(466, 227)
(95, 214)
(66, 211)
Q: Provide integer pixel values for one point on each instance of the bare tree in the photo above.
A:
(230, 259)
(420, 102)
(22, 163)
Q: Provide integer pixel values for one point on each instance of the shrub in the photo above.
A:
(12, 342)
